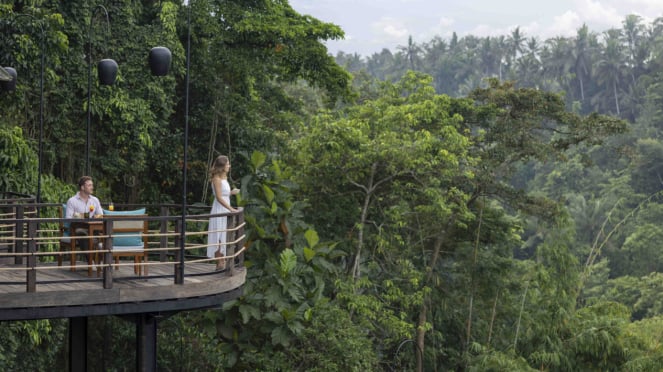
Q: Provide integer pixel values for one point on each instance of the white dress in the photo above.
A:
(214, 236)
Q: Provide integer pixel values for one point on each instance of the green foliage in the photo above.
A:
(403, 147)
(17, 161)
(647, 172)
(242, 64)
(43, 340)
(431, 175)
(599, 342)
(446, 215)
(345, 345)
(289, 268)
(639, 294)
(387, 319)
(645, 345)
(640, 255)
(484, 359)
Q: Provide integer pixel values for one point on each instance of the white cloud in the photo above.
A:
(390, 28)
(446, 22)
(372, 25)
(532, 29)
(566, 24)
(599, 13)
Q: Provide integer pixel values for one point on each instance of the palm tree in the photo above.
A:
(378, 64)
(529, 70)
(351, 62)
(582, 57)
(433, 51)
(498, 46)
(556, 64)
(515, 43)
(490, 57)
(533, 46)
(411, 51)
(610, 68)
(655, 44)
(634, 37)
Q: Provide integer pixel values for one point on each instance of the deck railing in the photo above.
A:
(31, 244)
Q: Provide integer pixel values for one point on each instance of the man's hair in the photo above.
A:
(82, 180)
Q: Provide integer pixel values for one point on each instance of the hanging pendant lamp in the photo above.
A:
(10, 84)
(159, 60)
(107, 69)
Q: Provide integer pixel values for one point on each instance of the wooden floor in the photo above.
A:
(63, 293)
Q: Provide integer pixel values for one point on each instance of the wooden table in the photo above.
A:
(93, 227)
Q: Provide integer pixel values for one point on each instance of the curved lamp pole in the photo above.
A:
(180, 273)
(11, 85)
(107, 70)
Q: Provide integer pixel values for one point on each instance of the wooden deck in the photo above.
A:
(32, 286)
(62, 293)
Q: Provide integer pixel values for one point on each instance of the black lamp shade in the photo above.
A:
(107, 69)
(9, 86)
(159, 60)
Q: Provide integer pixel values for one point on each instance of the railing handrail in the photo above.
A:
(29, 238)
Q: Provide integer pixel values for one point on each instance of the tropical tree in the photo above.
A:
(411, 52)
(408, 200)
(609, 72)
(515, 43)
(584, 47)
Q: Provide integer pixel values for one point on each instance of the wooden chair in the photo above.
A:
(130, 239)
(67, 244)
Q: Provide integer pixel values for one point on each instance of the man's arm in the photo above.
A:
(70, 209)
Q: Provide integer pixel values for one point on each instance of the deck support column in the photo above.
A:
(78, 344)
(146, 342)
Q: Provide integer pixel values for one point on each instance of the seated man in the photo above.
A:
(81, 203)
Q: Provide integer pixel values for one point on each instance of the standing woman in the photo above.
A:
(217, 225)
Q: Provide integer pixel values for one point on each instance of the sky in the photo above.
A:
(371, 25)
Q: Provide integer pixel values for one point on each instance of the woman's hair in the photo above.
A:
(218, 165)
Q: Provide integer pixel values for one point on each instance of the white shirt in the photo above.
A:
(76, 204)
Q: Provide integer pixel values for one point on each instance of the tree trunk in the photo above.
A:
(614, 92)
(356, 271)
(421, 330)
(419, 350)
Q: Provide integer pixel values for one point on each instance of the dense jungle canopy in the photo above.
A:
(467, 204)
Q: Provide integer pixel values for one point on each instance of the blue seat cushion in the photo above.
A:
(130, 239)
(124, 213)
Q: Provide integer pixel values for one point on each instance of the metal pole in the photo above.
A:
(41, 121)
(89, 85)
(186, 142)
(42, 37)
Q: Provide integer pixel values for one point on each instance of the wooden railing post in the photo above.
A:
(163, 242)
(18, 233)
(108, 256)
(31, 272)
(231, 235)
(240, 244)
(179, 279)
